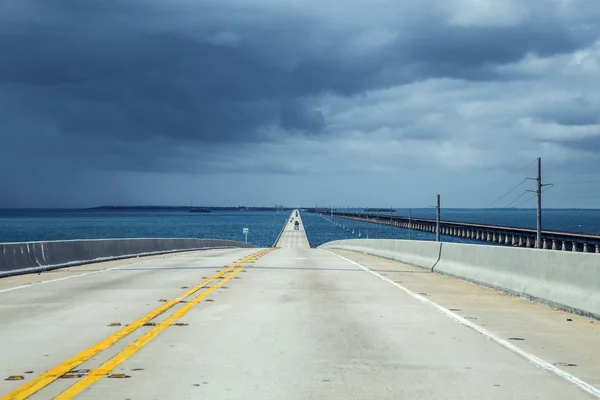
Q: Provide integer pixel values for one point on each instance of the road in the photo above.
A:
(288, 323)
(290, 237)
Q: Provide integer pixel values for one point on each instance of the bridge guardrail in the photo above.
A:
(27, 257)
(280, 233)
(563, 280)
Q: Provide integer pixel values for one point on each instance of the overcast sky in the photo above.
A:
(258, 102)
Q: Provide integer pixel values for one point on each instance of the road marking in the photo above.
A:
(56, 372)
(507, 345)
(96, 374)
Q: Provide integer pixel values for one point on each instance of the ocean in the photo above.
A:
(263, 226)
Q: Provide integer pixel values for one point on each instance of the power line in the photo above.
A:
(506, 194)
(488, 184)
(524, 166)
(531, 198)
(515, 200)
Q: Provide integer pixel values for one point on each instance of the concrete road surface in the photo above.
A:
(290, 237)
(293, 323)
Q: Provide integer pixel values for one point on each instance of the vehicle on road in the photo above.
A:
(296, 225)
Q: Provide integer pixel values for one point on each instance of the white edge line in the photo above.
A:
(507, 345)
(91, 272)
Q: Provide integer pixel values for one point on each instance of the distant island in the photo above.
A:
(186, 208)
(387, 210)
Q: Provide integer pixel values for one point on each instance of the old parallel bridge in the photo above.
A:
(505, 235)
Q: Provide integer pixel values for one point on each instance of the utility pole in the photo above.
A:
(437, 219)
(409, 223)
(348, 216)
(538, 191)
(391, 223)
(377, 223)
(539, 205)
(368, 222)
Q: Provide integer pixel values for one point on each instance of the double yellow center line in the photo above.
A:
(53, 374)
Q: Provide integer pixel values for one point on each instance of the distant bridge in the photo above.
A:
(506, 235)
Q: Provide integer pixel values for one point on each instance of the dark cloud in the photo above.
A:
(578, 111)
(298, 116)
(175, 86)
(588, 143)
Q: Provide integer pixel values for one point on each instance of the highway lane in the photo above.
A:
(300, 323)
(292, 238)
(569, 341)
(52, 320)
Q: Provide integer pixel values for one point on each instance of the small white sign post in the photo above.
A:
(246, 233)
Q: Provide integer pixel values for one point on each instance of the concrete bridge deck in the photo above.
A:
(288, 323)
(290, 237)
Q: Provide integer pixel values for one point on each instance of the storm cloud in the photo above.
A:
(183, 95)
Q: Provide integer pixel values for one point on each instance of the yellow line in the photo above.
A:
(106, 368)
(56, 372)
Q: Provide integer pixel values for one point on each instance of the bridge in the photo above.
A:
(358, 319)
(504, 235)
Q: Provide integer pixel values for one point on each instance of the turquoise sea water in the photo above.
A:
(264, 226)
(34, 225)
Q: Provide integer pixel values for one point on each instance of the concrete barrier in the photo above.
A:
(27, 257)
(422, 254)
(564, 280)
(280, 233)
